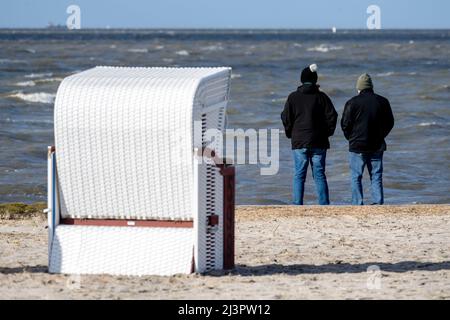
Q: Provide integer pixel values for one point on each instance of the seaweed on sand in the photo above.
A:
(21, 211)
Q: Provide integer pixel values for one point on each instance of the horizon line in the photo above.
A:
(63, 27)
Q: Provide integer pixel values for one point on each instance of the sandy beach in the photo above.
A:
(390, 252)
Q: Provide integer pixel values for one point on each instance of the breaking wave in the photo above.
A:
(38, 97)
(385, 74)
(137, 50)
(30, 83)
(38, 75)
(325, 48)
(182, 53)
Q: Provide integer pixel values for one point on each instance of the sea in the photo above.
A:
(409, 67)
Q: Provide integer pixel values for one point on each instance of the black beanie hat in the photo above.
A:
(309, 74)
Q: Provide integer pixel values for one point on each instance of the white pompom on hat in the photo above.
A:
(313, 67)
(309, 74)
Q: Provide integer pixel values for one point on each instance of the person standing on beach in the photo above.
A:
(366, 122)
(309, 119)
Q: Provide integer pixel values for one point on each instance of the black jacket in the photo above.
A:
(366, 122)
(309, 118)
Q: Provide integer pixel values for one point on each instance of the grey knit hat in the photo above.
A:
(364, 82)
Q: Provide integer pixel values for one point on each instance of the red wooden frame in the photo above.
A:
(129, 223)
(228, 173)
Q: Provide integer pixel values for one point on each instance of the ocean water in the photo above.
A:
(411, 68)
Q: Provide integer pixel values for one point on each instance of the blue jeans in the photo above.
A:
(374, 163)
(315, 157)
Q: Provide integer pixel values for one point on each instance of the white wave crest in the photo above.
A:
(138, 50)
(38, 97)
(427, 124)
(325, 48)
(213, 48)
(38, 75)
(30, 83)
(385, 74)
(182, 53)
(56, 79)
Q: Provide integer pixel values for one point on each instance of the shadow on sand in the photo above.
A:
(28, 269)
(295, 269)
(336, 268)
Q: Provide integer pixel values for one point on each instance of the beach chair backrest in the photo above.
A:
(125, 139)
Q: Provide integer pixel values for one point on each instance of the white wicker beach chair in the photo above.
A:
(128, 192)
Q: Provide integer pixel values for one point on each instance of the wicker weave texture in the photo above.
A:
(133, 251)
(124, 139)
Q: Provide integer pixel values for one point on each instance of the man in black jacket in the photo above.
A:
(309, 119)
(366, 122)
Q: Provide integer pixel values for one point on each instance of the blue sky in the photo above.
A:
(226, 13)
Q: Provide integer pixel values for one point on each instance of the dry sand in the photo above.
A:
(281, 253)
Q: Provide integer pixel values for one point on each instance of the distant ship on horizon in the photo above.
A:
(53, 26)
